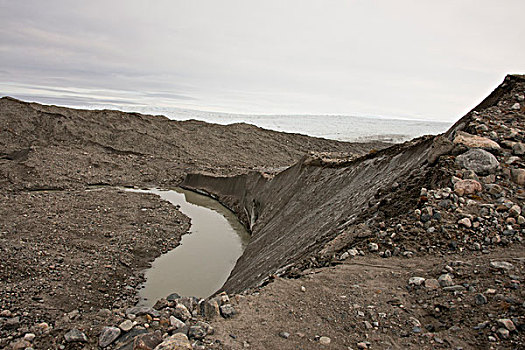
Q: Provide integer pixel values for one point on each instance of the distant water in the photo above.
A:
(336, 127)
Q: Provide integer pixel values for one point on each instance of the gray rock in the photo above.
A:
(211, 309)
(503, 333)
(227, 311)
(126, 326)
(518, 149)
(353, 252)
(516, 106)
(196, 332)
(479, 161)
(480, 299)
(416, 281)
(515, 210)
(75, 336)
(176, 323)
(324, 340)
(284, 335)
(142, 310)
(344, 256)
(181, 312)
(373, 247)
(445, 280)
(173, 297)
(502, 265)
(455, 288)
(108, 336)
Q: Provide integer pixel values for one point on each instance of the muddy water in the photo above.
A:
(202, 263)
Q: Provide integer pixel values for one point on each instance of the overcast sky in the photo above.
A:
(420, 59)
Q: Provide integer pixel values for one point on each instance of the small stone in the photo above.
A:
(515, 210)
(29, 337)
(445, 280)
(142, 310)
(353, 252)
(521, 220)
(508, 324)
(75, 335)
(516, 106)
(178, 341)
(518, 149)
(161, 304)
(324, 340)
(455, 288)
(173, 297)
(6, 313)
(492, 339)
(20, 344)
(518, 176)
(227, 311)
(373, 247)
(480, 299)
(416, 281)
(197, 332)
(503, 333)
(344, 256)
(126, 326)
(284, 335)
(362, 345)
(465, 222)
(303, 289)
(108, 336)
(432, 284)
(502, 265)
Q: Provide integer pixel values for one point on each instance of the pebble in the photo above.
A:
(324, 340)
(75, 335)
(373, 247)
(126, 326)
(362, 345)
(503, 333)
(29, 336)
(176, 323)
(480, 299)
(445, 280)
(416, 281)
(465, 222)
(503, 265)
(227, 311)
(515, 210)
(432, 284)
(284, 335)
(108, 336)
(516, 106)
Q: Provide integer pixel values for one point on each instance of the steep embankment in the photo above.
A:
(294, 215)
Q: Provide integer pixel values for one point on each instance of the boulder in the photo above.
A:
(474, 141)
(479, 161)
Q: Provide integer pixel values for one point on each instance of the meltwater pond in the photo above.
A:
(200, 265)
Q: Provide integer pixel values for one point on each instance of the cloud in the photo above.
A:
(408, 58)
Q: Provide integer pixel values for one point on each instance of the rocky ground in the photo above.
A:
(438, 263)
